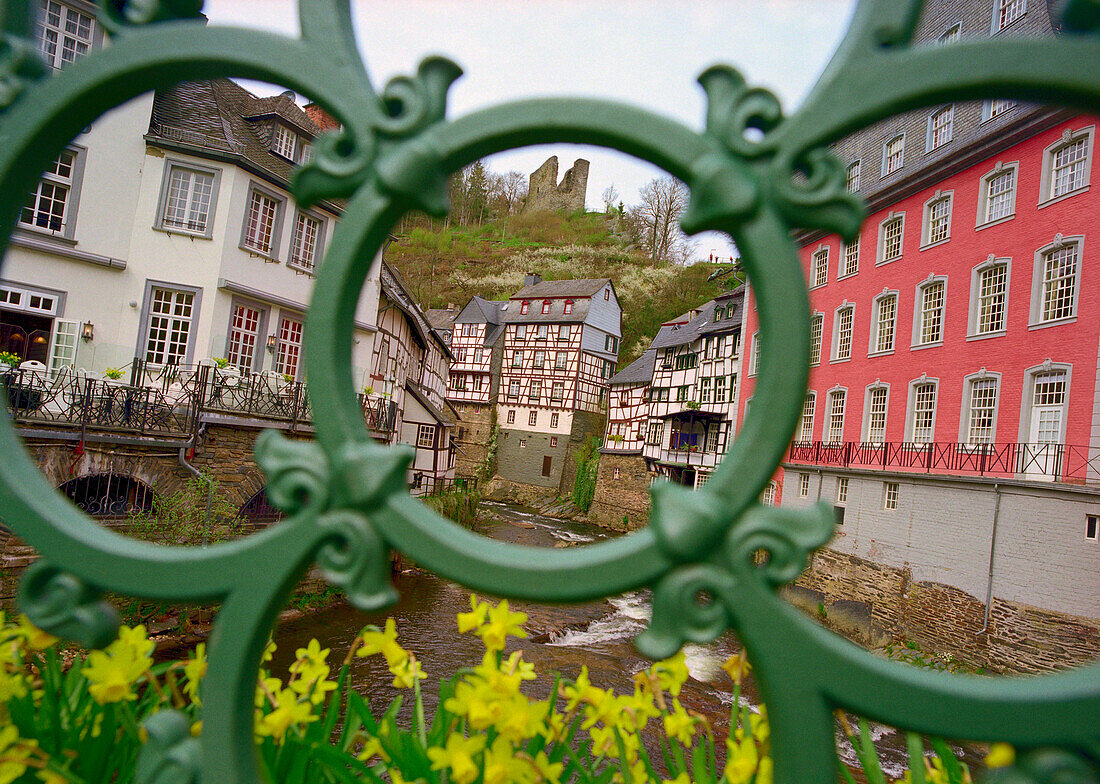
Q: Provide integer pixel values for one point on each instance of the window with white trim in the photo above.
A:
(817, 325)
(890, 238)
(260, 221)
(767, 498)
(1066, 164)
(803, 485)
(890, 492)
(1007, 12)
(284, 142)
(893, 154)
(834, 417)
(425, 436)
(941, 127)
(244, 331)
(511, 418)
(304, 244)
(754, 363)
(853, 176)
(1058, 295)
(1092, 527)
(994, 107)
(48, 206)
(64, 33)
(843, 338)
(998, 194)
(557, 390)
(532, 418)
(923, 420)
(819, 268)
(937, 219)
(288, 353)
(885, 322)
(842, 489)
(950, 35)
(930, 301)
(704, 390)
(849, 258)
(990, 299)
(170, 315)
(554, 420)
(806, 424)
(188, 199)
(981, 411)
(875, 426)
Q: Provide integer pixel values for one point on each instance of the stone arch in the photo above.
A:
(258, 510)
(108, 495)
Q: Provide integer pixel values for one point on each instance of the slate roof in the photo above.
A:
(438, 414)
(441, 319)
(218, 117)
(704, 323)
(393, 286)
(581, 287)
(640, 371)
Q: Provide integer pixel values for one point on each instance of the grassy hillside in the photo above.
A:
(450, 264)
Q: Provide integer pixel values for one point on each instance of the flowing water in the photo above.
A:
(562, 638)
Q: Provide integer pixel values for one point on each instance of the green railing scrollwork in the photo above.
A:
(713, 557)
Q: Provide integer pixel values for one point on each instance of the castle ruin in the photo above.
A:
(546, 194)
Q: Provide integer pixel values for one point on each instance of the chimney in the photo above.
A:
(320, 117)
(530, 279)
(450, 306)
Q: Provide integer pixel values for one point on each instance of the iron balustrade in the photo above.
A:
(1045, 462)
(753, 172)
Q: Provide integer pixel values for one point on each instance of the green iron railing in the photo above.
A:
(753, 173)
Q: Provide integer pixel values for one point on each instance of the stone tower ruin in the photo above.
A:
(546, 194)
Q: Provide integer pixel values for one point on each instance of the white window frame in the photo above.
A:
(803, 485)
(927, 227)
(890, 493)
(965, 423)
(911, 409)
(819, 267)
(288, 344)
(950, 35)
(841, 490)
(235, 344)
(142, 348)
(827, 434)
(1028, 397)
(532, 417)
(285, 142)
(891, 219)
(296, 259)
(919, 294)
(853, 176)
(867, 436)
(974, 319)
(754, 355)
(995, 107)
(817, 333)
(171, 165)
(848, 266)
(272, 252)
(1000, 170)
(874, 349)
(514, 389)
(996, 25)
(806, 420)
(71, 185)
(1068, 137)
(887, 168)
(931, 142)
(425, 433)
(1038, 281)
(836, 345)
(64, 32)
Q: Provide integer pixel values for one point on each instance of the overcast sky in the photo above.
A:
(644, 52)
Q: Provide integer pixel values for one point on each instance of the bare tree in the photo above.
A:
(610, 196)
(507, 192)
(655, 221)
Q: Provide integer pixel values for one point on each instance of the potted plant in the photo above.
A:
(693, 405)
(220, 362)
(112, 373)
(368, 390)
(9, 359)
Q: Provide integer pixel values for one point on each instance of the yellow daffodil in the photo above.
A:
(371, 749)
(501, 624)
(12, 685)
(384, 642)
(502, 766)
(458, 755)
(135, 640)
(407, 673)
(765, 773)
(14, 752)
(114, 671)
(741, 761)
(580, 691)
(603, 742)
(683, 778)
(195, 670)
(679, 725)
(737, 666)
(34, 637)
(548, 771)
(758, 723)
(269, 649)
(468, 621)
(1000, 755)
(311, 655)
(289, 712)
(671, 673)
(51, 777)
(515, 665)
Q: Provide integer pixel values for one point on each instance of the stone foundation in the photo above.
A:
(476, 423)
(621, 504)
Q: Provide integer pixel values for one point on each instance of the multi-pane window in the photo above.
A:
(468, 330)
(849, 258)
(806, 425)
(425, 436)
(513, 388)
(842, 490)
(844, 333)
(259, 229)
(720, 388)
(540, 359)
(817, 324)
(996, 106)
(876, 415)
(561, 358)
(941, 127)
(284, 142)
(931, 313)
(170, 314)
(893, 155)
(1059, 283)
(1067, 167)
(951, 35)
(704, 390)
(803, 485)
(532, 418)
(554, 422)
(557, 390)
(992, 290)
(653, 434)
(517, 359)
(834, 419)
(939, 220)
(46, 206)
(755, 352)
(535, 392)
(1047, 401)
(890, 492)
(924, 413)
(564, 331)
(303, 247)
(289, 355)
(767, 498)
(568, 308)
(243, 333)
(852, 180)
(983, 406)
(63, 33)
(1008, 11)
(886, 311)
(187, 202)
(1000, 192)
(819, 264)
(891, 239)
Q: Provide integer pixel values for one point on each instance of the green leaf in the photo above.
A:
(951, 765)
(915, 746)
(868, 755)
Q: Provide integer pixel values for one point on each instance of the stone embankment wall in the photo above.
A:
(476, 422)
(621, 502)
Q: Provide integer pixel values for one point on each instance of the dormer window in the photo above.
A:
(568, 307)
(284, 142)
(524, 307)
(545, 306)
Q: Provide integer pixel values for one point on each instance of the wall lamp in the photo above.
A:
(88, 334)
(271, 341)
